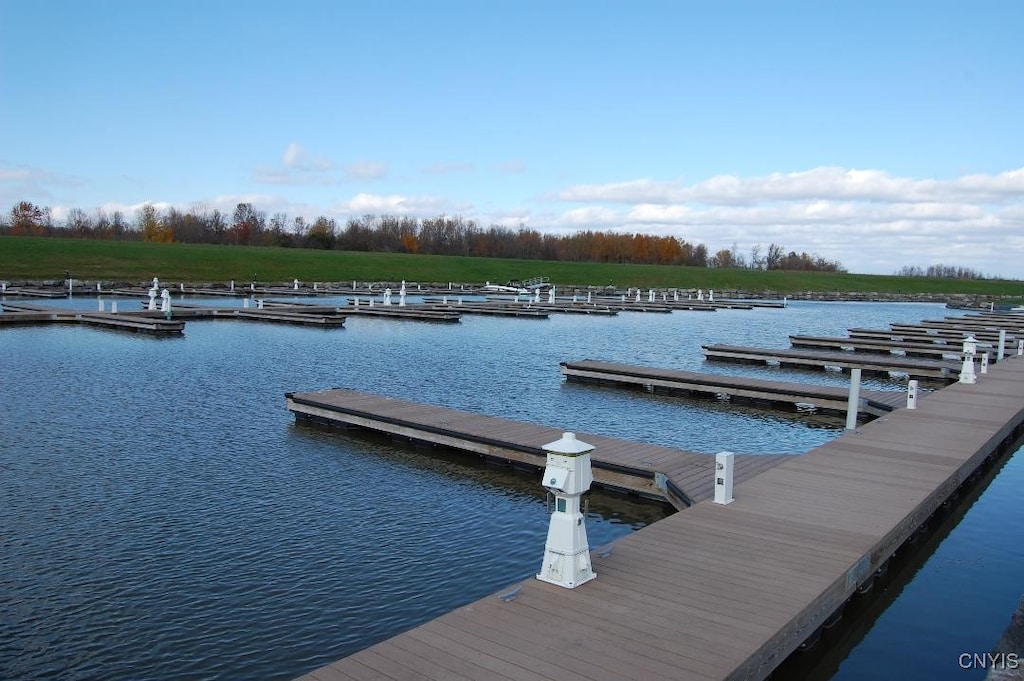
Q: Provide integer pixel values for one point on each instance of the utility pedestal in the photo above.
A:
(567, 476)
(967, 374)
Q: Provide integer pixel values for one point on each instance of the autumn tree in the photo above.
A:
(28, 219)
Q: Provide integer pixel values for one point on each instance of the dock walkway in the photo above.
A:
(674, 475)
(723, 591)
(757, 391)
(875, 363)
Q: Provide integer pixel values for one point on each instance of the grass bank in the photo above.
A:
(28, 258)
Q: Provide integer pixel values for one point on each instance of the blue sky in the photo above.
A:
(879, 134)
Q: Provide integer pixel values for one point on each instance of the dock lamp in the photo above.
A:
(967, 374)
(567, 476)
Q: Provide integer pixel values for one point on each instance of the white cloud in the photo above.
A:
(415, 206)
(296, 157)
(825, 183)
(298, 167)
(365, 170)
(868, 220)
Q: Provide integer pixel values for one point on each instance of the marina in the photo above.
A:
(138, 511)
(726, 591)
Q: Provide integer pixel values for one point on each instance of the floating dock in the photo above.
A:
(877, 364)
(30, 314)
(904, 348)
(873, 403)
(724, 591)
(673, 475)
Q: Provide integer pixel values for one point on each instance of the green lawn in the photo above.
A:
(30, 258)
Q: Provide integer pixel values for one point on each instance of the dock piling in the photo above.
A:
(101, 304)
(725, 463)
(1001, 350)
(113, 307)
(853, 404)
(912, 394)
(984, 362)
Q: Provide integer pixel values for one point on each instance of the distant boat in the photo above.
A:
(498, 288)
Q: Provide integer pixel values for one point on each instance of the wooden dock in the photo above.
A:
(896, 347)
(679, 477)
(724, 591)
(869, 363)
(777, 394)
(31, 314)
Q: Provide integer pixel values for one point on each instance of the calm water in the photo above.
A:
(161, 515)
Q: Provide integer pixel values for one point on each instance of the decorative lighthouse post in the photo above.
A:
(967, 374)
(567, 476)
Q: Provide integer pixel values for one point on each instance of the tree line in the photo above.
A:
(441, 235)
(941, 272)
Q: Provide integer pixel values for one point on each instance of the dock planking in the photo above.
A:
(875, 363)
(32, 314)
(620, 465)
(873, 403)
(724, 592)
(905, 348)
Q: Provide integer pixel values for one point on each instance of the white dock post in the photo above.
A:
(623, 298)
(574, 299)
(650, 295)
(295, 284)
(588, 296)
(551, 296)
(853, 403)
(102, 304)
(181, 287)
(259, 303)
(1001, 351)
(1020, 347)
(967, 374)
(152, 299)
(675, 296)
(536, 296)
(387, 296)
(3, 288)
(113, 306)
(353, 284)
(984, 362)
(232, 285)
(724, 464)
(99, 287)
(785, 301)
(711, 295)
(912, 394)
(700, 295)
(567, 476)
(315, 288)
(245, 302)
(165, 301)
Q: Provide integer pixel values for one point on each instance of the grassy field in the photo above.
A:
(25, 258)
